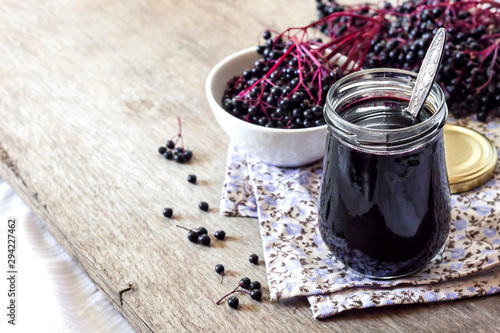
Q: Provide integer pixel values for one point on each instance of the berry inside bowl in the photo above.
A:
(280, 147)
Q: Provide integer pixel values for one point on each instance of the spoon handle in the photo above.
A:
(427, 73)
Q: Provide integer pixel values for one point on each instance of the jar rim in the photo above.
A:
(332, 118)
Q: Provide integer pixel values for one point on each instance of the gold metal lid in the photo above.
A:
(470, 158)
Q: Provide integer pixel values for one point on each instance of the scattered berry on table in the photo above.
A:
(191, 179)
(219, 269)
(233, 302)
(170, 144)
(255, 285)
(256, 294)
(167, 212)
(202, 231)
(245, 283)
(193, 236)
(254, 259)
(220, 234)
(204, 239)
(188, 154)
(179, 158)
(168, 155)
(203, 206)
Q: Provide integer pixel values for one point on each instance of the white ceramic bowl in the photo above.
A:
(281, 147)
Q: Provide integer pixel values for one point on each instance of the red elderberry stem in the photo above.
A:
(232, 292)
(180, 226)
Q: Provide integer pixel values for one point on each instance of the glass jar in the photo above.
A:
(385, 199)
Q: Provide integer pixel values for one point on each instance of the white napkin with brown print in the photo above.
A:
(298, 263)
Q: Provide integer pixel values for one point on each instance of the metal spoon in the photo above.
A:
(427, 73)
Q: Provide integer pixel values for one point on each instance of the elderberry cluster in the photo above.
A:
(286, 88)
(470, 70)
(179, 154)
(171, 151)
(247, 286)
(201, 236)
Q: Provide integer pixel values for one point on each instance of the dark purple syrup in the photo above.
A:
(384, 215)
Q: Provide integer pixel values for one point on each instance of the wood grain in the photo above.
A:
(89, 90)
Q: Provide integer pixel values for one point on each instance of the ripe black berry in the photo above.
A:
(266, 34)
(254, 259)
(219, 268)
(193, 236)
(255, 285)
(170, 144)
(203, 206)
(168, 155)
(188, 154)
(192, 179)
(162, 150)
(233, 302)
(245, 283)
(220, 234)
(167, 212)
(256, 294)
(204, 240)
(179, 158)
(202, 231)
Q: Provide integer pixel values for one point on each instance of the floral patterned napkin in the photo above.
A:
(298, 263)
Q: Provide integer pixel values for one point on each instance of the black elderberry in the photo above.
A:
(170, 144)
(319, 122)
(255, 285)
(204, 239)
(191, 179)
(308, 114)
(284, 103)
(263, 121)
(266, 34)
(188, 154)
(203, 206)
(162, 150)
(317, 110)
(410, 57)
(193, 236)
(168, 155)
(253, 258)
(256, 294)
(168, 212)
(220, 234)
(202, 231)
(253, 110)
(179, 158)
(245, 283)
(219, 268)
(256, 72)
(233, 302)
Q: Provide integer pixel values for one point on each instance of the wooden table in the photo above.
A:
(89, 90)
